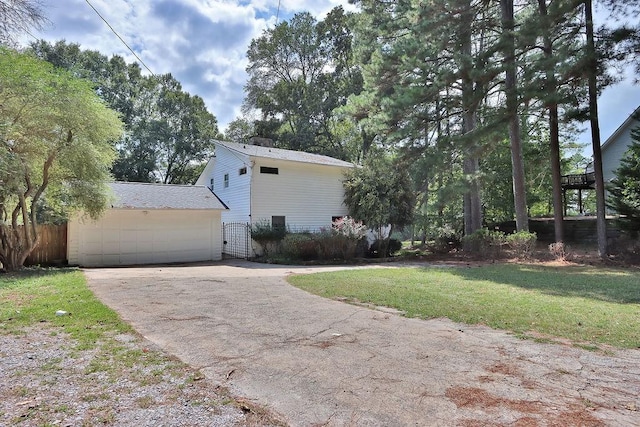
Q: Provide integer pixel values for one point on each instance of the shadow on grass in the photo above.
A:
(13, 279)
(611, 285)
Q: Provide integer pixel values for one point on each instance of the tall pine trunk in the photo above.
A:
(551, 87)
(471, 164)
(517, 162)
(592, 70)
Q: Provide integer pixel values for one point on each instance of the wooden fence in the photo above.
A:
(52, 249)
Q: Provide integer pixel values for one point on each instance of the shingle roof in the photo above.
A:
(136, 195)
(281, 154)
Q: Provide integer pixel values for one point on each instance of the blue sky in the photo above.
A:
(203, 43)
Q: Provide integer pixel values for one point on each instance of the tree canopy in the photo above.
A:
(300, 71)
(380, 193)
(56, 140)
(169, 133)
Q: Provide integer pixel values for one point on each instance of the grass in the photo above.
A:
(34, 296)
(587, 305)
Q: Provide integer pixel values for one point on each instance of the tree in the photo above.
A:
(430, 67)
(299, 73)
(168, 132)
(512, 104)
(624, 190)
(18, 16)
(379, 194)
(592, 76)
(178, 129)
(55, 142)
(240, 130)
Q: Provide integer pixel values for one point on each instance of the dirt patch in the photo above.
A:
(45, 380)
(532, 413)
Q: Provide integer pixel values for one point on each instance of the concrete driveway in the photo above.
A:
(320, 362)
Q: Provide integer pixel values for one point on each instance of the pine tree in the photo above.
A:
(624, 191)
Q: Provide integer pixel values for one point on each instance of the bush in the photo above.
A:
(522, 243)
(558, 250)
(444, 240)
(392, 246)
(299, 246)
(267, 236)
(485, 243)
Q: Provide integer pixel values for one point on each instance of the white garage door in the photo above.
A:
(126, 237)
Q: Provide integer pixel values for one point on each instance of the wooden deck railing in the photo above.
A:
(584, 180)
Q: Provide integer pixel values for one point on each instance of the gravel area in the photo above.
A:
(46, 380)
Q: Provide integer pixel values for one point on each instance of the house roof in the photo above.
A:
(137, 195)
(632, 117)
(281, 154)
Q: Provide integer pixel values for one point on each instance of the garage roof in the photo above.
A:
(137, 195)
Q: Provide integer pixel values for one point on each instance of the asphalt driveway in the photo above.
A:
(321, 362)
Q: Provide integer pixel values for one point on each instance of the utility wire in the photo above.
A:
(278, 13)
(118, 35)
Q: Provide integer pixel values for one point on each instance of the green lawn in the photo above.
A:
(583, 304)
(31, 297)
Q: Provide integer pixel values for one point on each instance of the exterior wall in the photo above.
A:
(307, 195)
(236, 195)
(132, 236)
(615, 149)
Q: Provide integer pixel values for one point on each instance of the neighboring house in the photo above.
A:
(613, 150)
(148, 224)
(617, 144)
(294, 189)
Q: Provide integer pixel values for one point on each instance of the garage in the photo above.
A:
(149, 224)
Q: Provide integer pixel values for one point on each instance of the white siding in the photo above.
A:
(126, 237)
(307, 195)
(614, 151)
(236, 195)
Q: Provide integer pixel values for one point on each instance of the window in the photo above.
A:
(243, 171)
(226, 180)
(267, 169)
(211, 184)
(278, 222)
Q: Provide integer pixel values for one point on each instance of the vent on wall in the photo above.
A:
(269, 170)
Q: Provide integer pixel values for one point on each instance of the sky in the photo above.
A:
(203, 44)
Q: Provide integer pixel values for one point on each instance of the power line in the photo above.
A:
(118, 35)
(278, 13)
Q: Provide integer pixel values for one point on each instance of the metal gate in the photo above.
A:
(236, 237)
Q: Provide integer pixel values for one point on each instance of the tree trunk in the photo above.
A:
(554, 129)
(471, 164)
(592, 70)
(517, 162)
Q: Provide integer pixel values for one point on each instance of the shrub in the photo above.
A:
(299, 246)
(266, 235)
(485, 243)
(522, 243)
(558, 250)
(350, 228)
(444, 240)
(392, 246)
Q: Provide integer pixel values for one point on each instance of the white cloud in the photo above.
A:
(203, 43)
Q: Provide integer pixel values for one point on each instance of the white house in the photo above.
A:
(617, 144)
(282, 187)
(149, 224)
